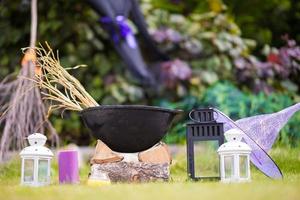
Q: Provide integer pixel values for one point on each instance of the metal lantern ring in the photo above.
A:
(36, 159)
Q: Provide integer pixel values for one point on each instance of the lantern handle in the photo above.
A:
(195, 120)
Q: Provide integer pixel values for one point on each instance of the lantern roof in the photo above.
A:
(37, 139)
(36, 148)
(36, 151)
(234, 144)
(231, 147)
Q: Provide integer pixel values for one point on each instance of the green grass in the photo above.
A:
(179, 187)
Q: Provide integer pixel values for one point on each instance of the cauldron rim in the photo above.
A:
(132, 107)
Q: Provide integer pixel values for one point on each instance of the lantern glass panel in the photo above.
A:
(28, 170)
(43, 170)
(243, 166)
(228, 165)
(206, 158)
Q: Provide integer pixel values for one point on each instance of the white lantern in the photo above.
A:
(36, 160)
(234, 158)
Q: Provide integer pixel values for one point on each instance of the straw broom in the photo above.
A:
(24, 112)
(60, 88)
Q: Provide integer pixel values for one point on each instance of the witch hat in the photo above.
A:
(261, 132)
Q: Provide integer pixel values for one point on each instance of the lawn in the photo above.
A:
(179, 187)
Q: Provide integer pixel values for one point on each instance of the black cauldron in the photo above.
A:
(128, 128)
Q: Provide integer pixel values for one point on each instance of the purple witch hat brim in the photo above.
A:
(261, 132)
(258, 156)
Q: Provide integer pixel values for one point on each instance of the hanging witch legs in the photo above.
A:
(22, 110)
(114, 18)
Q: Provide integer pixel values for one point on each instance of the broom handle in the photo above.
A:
(33, 28)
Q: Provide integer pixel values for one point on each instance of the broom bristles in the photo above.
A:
(62, 89)
(25, 113)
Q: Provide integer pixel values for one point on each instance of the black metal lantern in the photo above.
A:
(204, 128)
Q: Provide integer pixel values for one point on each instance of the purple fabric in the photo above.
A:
(261, 132)
(68, 167)
(124, 32)
(267, 125)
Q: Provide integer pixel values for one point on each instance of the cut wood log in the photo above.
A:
(158, 154)
(130, 172)
(103, 154)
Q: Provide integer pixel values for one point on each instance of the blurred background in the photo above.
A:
(239, 56)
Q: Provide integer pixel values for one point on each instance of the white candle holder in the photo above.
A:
(234, 158)
(36, 162)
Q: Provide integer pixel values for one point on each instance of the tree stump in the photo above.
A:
(150, 165)
(131, 172)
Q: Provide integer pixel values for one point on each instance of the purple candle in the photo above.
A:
(68, 167)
